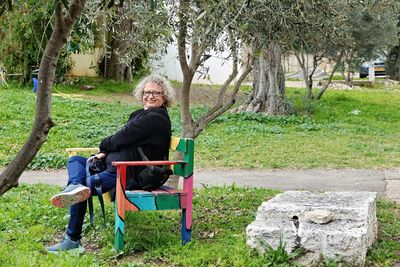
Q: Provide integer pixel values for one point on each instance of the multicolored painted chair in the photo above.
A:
(164, 198)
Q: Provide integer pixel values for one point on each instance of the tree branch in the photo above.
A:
(217, 111)
(182, 37)
(220, 107)
(325, 86)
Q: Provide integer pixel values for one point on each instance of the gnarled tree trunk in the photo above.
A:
(269, 86)
(276, 89)
(258, 98)
(43, 123)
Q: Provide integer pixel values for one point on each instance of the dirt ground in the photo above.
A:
(199, 95)
(207, 95)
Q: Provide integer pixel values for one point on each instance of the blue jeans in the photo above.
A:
(76, 167)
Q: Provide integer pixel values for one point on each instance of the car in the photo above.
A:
(379, 69)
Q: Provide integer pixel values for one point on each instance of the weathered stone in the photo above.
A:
(319, 216)
(346, 237)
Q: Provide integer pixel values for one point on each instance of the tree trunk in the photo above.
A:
(186, 117)
(269, 86)
(64, 24)
(128, 74)
(188, 73)
(276, 90)
(396, 75)
(301, 59)
(258, 98)
(325, 86)
(348, 78)
(119, 47)
(116, 69)
(308, 75)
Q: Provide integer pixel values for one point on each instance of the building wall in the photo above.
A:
(216, 68)
(292, 66)
(85, 64)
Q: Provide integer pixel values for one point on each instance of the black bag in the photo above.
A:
(152, 177)
(96, 165)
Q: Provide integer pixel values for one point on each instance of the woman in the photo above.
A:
(149, 128)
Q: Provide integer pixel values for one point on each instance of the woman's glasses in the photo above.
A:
(153, 93)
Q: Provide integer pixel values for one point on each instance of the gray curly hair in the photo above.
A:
(169, 92)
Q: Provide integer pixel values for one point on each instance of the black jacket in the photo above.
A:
(150, 129)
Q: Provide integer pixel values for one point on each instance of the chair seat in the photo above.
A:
(163, 198)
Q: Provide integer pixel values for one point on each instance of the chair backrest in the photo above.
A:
(186, 147)
(182, 145)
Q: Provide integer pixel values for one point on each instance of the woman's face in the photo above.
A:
(153, 96)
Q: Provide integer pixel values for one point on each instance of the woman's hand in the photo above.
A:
(101, 155)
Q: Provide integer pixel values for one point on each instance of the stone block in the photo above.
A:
(346, 233)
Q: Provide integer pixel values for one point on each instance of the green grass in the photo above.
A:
(28, 224)
(355, 129)
(346, 129)
(352, 129)
(79, 122)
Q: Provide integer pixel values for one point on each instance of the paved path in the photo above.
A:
(385, 182)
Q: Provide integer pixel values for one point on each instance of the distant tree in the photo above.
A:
(378, 19)
(274, 28)
(393, 57)
(318, 41)
(25, 31)
(343, 41)
(393, 63)
(131, 31)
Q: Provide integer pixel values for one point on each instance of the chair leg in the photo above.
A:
(187, 213)
(186, 231)
(119, 229)
(119, 208)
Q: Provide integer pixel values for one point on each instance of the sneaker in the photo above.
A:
(67, 244)
(72, 194)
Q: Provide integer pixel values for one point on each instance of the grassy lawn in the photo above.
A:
(349, 129)
(29, 223)
(346, 129)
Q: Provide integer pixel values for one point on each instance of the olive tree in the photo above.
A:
(273, 28)
(24, 33)
(205, 26)
(393, 58)
(351, 32)
(378, 24)
(65, 18)
(132, 29)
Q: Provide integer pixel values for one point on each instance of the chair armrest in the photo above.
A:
(146, 163)
(121, 167)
